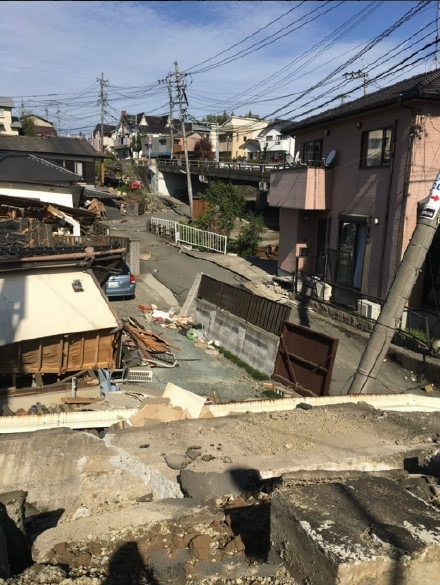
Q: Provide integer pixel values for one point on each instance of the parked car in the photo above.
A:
(122, 284)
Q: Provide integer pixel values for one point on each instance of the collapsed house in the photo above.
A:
(54, 316)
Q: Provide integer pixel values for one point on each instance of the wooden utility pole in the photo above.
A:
(398, 295)
(181, 96)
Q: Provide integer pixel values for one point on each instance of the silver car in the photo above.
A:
(122, 284)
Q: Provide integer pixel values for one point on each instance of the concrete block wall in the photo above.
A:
(252, 345)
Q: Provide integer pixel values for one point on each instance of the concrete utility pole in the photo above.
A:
(181, 96)
(170, 93)
(102, 99)
(398, 295)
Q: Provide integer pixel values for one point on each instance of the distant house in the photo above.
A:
(272, 144)
(234, 133)
(73, 154)
(127, 135)
(42, 127)
(9, 124)
(347, 211)
(108, 131)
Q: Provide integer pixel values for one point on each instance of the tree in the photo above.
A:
(225, 202)
(217, 119)
(27, 125)
(251, 115)
(249, 238)
(203, 149)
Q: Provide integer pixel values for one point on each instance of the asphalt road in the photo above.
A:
(167, 275)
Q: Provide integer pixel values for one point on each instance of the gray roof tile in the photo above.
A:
(48, 145)
(425, 86)
(26, 168)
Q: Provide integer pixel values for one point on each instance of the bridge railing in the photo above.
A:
(203, 165)
(182, 233)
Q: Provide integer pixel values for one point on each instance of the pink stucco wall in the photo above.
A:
(388, 195)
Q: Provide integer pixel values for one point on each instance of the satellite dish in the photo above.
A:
(330, 158)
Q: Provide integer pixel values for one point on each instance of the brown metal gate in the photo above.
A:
(305, 360)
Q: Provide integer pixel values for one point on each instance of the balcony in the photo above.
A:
(303, 187)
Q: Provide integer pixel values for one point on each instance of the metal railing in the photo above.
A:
(203, 165)
(186, 234)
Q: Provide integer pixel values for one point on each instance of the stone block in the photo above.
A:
(357, 531)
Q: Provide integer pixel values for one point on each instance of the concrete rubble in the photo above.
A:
(213, 500)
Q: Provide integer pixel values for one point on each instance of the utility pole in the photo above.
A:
(102, 99)
(357, 75)
(398, 295)
(181, 96)
(170, 93)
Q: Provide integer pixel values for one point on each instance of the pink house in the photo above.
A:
(349, 205)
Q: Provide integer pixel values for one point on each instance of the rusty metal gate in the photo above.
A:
(305, 360)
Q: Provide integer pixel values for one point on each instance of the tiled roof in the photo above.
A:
(108, 129)
(426, 86)
(59, 145)
(26, 168)
(157, 124)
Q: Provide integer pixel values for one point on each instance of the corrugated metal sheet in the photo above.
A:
(35, 305)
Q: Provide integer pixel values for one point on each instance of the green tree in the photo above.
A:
(225, 202)
(27, 125)
(217, 119)
(246, 245)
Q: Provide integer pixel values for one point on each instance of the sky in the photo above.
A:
(70, 61)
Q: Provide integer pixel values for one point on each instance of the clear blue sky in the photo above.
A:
(275, 59)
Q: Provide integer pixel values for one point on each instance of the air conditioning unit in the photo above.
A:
(368, 309)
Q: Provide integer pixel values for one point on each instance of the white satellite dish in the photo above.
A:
(330, 158)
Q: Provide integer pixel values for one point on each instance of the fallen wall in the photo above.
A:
(252, 345)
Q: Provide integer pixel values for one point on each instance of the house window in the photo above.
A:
(376, 148)
(79, 168)
(162, 141)
(279, 136)
(312, 151)
(2, 113)
(351, 251)
(269, 138)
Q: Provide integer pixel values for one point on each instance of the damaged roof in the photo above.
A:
(33, 304)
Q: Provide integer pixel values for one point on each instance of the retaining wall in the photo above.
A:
(252, 345)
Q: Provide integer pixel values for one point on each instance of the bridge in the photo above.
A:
(169, 177)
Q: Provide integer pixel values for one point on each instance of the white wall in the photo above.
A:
(42, 194)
